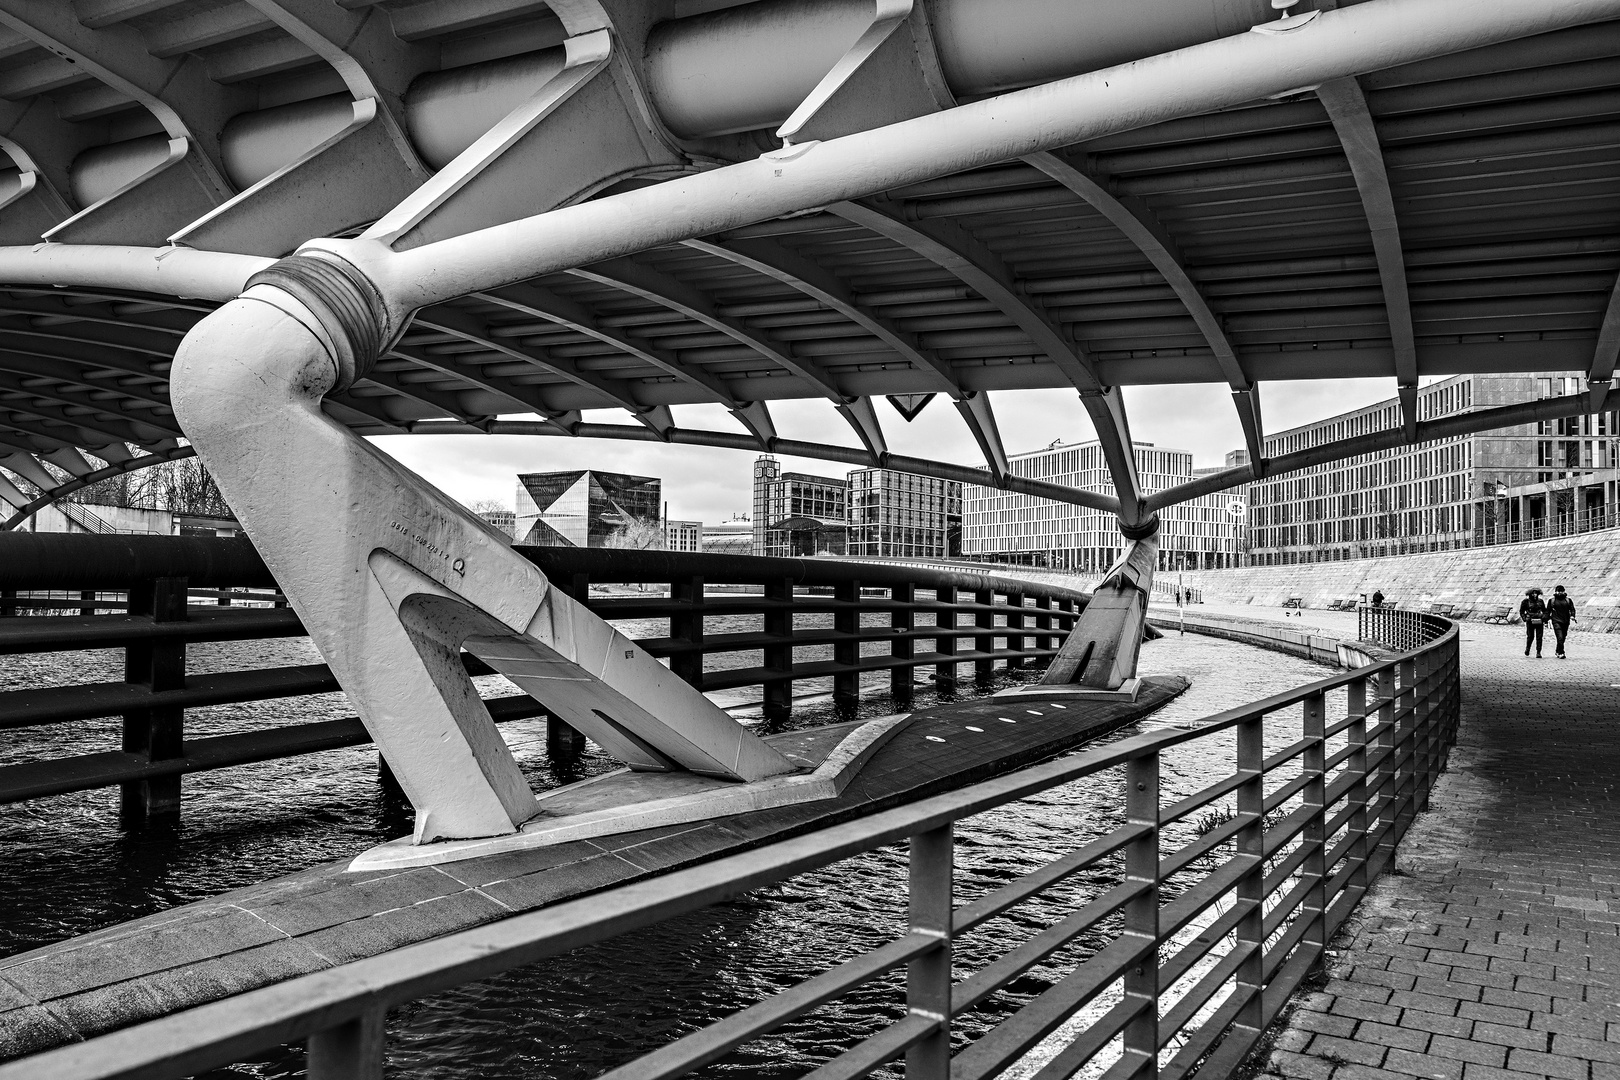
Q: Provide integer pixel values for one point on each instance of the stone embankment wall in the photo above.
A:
(1472, 583)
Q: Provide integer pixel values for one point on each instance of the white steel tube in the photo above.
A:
(1203, 78)
(169, 271)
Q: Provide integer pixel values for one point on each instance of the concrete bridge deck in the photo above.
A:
(1494, 952)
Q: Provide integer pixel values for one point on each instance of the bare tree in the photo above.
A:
(637, 534)
(488, 506)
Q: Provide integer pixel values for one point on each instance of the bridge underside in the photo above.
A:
(644, 207)
(1459, 213)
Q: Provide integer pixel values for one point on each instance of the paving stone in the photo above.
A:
(1337, 1050)
(1418, 1020)
(1342, 1026)
(1427, 1065)
(1388, 1035)
(1482, 1053)
(1591, 1049)
(1570, 1068)
(1502, 1035)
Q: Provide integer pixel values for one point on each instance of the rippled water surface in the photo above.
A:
(70, 870)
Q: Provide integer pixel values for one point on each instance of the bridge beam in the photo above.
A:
(1346, 106)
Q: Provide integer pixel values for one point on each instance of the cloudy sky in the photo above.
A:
(712, 484)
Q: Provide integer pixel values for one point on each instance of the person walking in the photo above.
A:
(1560, 612)
(1533, 610)
(1378, 598)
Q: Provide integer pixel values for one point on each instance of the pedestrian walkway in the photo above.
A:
(1493, 951)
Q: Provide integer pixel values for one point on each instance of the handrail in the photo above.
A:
(966, 618)
(1308, 839)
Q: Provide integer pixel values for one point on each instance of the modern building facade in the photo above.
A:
(903, 514)
(1204, 533)
(797, 513)
(683, 535)
(1441, 495)
(582, 508)
(504, 520)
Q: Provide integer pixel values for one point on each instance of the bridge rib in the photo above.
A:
(106, 412)
(1600, 377)
(776, 261)
(469, 328)
(1347, 107)
(1132, 216)
(542, 303)
(955, 250)
(69, 487)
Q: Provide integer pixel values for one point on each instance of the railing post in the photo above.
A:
(87, 601)
(847, 650)
(904, 646)
(1141, 919)
(778, 691)
(350, 1051)
(8, 603)
(982, 642)
(1313, 762)
(945, 644)
(1406, 739)
(687, 627)
(1043, 621)
(1356, 796)
(155, 734)
(1015, 622)
(1381, 800)
(928, 977)
(564, 742)
(1251, 845)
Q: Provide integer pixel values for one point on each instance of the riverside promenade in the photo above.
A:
(1493, 952)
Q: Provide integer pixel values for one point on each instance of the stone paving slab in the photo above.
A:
(1493, 950)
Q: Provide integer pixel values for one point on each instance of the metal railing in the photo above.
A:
(1391, 626)
(1545, 528)
(1206, 938)
(870, 618)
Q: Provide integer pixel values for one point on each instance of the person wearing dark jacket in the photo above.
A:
(1533, 610)
(1560, 612)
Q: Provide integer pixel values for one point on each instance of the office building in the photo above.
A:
(902, 514)
(1004, 526)
(797, 513)
(504, 520)
(583, 508)
(683, 535)
(1440, 495)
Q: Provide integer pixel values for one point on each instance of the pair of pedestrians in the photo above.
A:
(1536, 613)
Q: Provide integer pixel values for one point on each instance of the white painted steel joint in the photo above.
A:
(348, 305)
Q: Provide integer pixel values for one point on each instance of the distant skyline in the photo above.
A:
(712, 484)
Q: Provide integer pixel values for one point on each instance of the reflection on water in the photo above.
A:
(69, 871)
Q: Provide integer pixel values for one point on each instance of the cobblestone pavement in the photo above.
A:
(1493, 951)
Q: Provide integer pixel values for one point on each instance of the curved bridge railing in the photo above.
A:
(153, 596)
(1213, 906)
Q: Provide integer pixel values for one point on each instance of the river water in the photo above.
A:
(69, 870)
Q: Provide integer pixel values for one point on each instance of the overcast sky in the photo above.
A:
(711, 484)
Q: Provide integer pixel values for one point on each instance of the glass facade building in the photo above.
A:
(583, 508)
(1440, 495)
(903, 514)
(1204, 533)
(797, 513)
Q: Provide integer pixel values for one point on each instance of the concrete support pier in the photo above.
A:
(1494, 952)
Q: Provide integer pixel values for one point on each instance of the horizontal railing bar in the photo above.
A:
(1210, 936)
(1287, 791)
(1186, 907)
(720, 1038)
(752, 640)
(1286, 754)
(1014, 1036)
(1200, 993)
(1287, 829)
(1286, 905)
(968, 993)
(86, 772)
(1221, 834)
(1178, 810)
(1338, 821)
(1073, 1057)
(1339, 757)
(993, 903)
(1286, 967)
(886, 1045)
(60, 633)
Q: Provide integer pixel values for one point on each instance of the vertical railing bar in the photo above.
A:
(1141, 918)
(349, 1051)
(1356, 735)
(928, 977)
(1314, 837)
(1251, 935)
